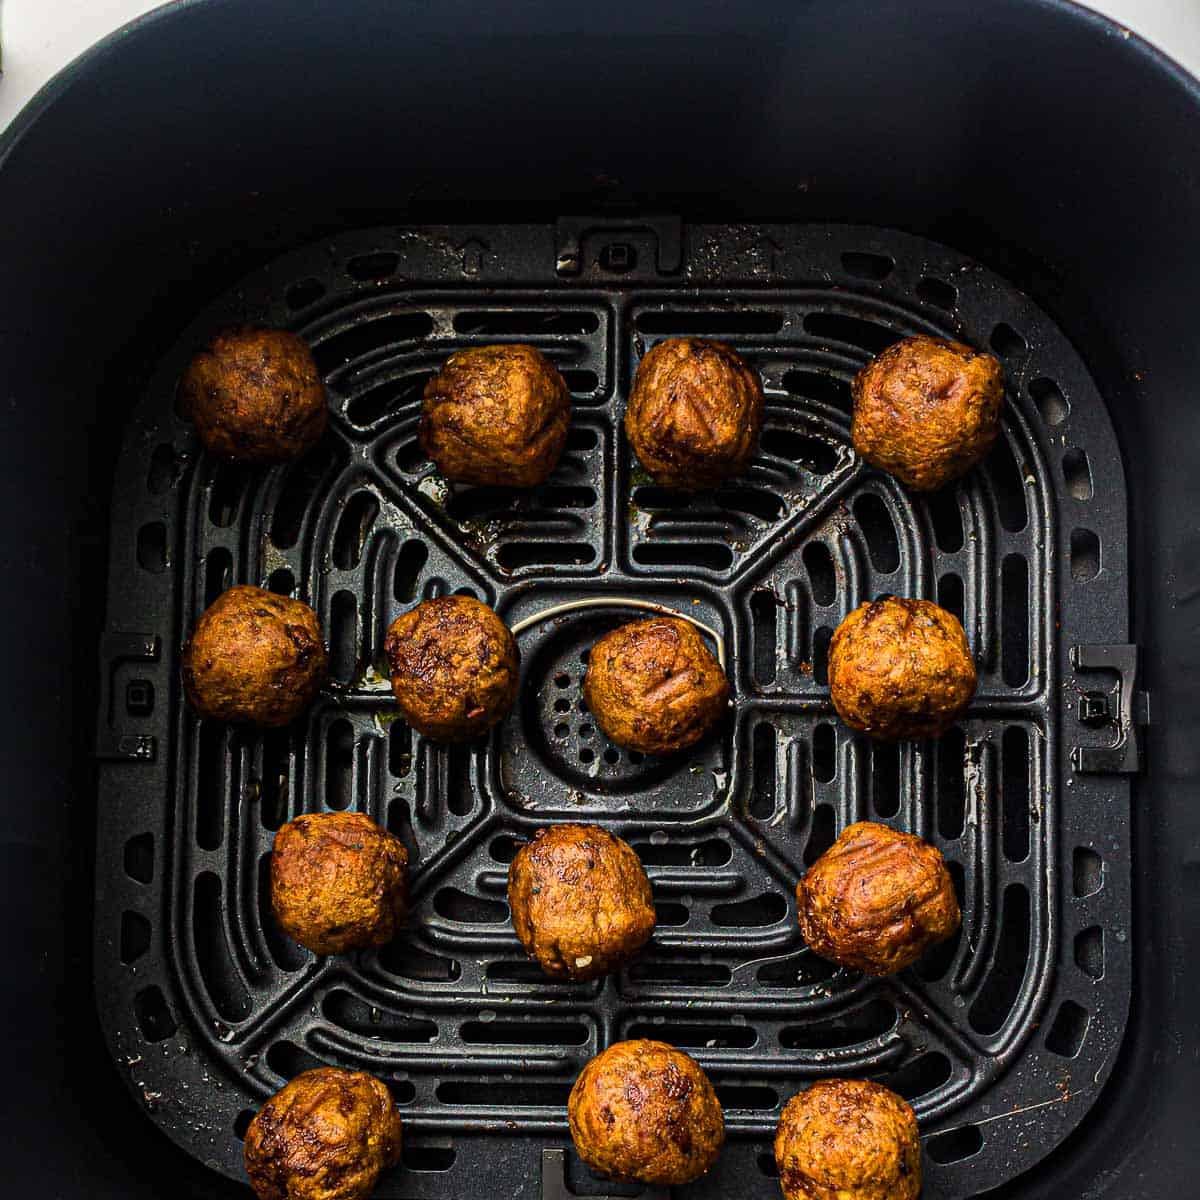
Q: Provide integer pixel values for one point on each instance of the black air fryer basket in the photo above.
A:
(809, 183)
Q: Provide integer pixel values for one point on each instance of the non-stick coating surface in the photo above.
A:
(1001, 1040)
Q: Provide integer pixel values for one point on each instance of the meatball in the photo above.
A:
(254, 658)
(900, 669)
(876, 900)
(654, 686)
(327, 1135)
(338, 882)
(255, 395)
(848, 1139)
(581, 903)
(454, 667)
(496, 415)
(927, 410)
(695, 412)
(644, 1112)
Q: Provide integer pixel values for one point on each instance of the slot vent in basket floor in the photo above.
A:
(479, 1048)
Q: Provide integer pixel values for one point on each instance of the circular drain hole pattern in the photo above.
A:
(553, 756)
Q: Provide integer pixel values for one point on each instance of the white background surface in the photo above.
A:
(39, 37)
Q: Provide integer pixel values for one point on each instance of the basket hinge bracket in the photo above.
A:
(554, 1181)
(115, 744)
(614, 246)
(1107, 705)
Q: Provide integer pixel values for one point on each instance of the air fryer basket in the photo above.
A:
(554, 175)
(1001, 1040)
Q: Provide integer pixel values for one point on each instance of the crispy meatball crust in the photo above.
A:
(876, 900)
(255, 395)
(695, 412)
(455, 668)
(848, 1139)
(327, 1135)
(254, 658)
(496, 415)
(644, 1112)
(927, 410)
(581, 903)
(338, 882)
(900, 669)
(654, 686)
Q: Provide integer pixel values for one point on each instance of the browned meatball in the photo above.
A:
(255, 395)
(645, 1112)
(454, 668)
(695, 412)
(900, 669)
(496, 415)
(654, 686)
(338, 882)
(927, 410)
(327, 1135)
(581, 903)
(848, 1139)
(254, 658)
(877, 899)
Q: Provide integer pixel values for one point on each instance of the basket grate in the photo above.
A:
(211, 1009)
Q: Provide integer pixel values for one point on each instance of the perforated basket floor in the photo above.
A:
(1001, 1039)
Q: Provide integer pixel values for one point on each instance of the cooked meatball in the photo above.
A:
(876, 900)
(254, 658)
(654, 686)
(900, 669)
(644, 1112)
(327, 1135)
(927, 410)
(695, 412)
(848, 1139)
(581, 903)
(338, 882)
(255, 395)
(496, 415)
(454, 668)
